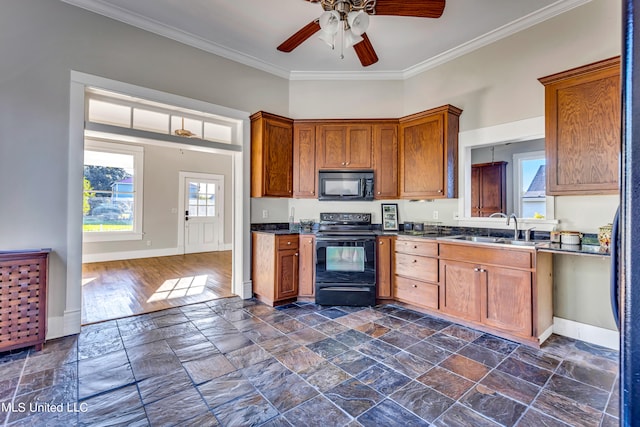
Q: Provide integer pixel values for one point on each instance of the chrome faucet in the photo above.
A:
(497, 214)
(527, 234)
(515, 223)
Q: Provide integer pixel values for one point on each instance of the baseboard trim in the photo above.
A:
(582, 331)
(117, 256)
(247, 289)
(61, 326)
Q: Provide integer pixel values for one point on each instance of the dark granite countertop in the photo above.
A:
(559, 248)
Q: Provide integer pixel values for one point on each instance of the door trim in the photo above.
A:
(182, 175)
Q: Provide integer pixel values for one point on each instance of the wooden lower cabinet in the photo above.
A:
(416, 272)
(508, 300)
(23, 299)
(306, 277)
(384, 268)
(460, 290)
(275, 267)
(505, 291)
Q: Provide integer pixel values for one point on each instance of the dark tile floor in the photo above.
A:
(236, 363)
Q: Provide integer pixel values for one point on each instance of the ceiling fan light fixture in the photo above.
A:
(358, 22)
(328, 38)
(329, 21)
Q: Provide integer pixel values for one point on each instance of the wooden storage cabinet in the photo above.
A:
(416, 272)
(304, 160)
(23, 299)
(488, 188)
(275, 267)
(385, 160)
(271, 155)
(429, 154)
(306, 283)
(344, 146)
(582, 129)
(384, 268)
(505, 290)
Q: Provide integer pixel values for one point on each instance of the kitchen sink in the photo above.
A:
(486, 239)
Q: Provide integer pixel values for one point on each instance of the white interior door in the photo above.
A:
(203, 213)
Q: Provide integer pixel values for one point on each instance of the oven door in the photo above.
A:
(346, 259)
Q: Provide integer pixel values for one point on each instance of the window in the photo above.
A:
(202, 199)
(112, 199)
(530, 188)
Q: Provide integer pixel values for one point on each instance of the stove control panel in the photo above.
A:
(345, 218)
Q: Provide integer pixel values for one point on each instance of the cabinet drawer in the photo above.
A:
(416, 292)
(506, 257)
(417, 247)
(288, 242)
(417, 267)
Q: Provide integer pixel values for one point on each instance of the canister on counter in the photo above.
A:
(555, 236)
(571, 237)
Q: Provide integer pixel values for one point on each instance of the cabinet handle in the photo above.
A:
(310, 241)
(313, 192)
(415, 260)
(381, 242)
(378, 192)
(415, 286)
(476, 269)
(288, 243)
(439, 191)
(415, 246)
(348, 163)
(296, 253)
(343, 163)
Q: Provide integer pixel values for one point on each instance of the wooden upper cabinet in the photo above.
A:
(385, 160)
(582, 129)
(304, 160)
(488, 188)
(429, 154)
(271, 155)
(344, 146)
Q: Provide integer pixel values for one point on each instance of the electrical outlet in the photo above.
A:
(148, 242)
(435, 214)
(265, 213)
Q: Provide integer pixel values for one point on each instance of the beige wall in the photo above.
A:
(162, 166)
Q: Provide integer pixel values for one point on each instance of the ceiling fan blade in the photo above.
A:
(365, 51)
(418, 8)
(298, 38)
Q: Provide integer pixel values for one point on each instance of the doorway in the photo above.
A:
(201, 208)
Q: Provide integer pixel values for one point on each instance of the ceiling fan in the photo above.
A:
(350, 19)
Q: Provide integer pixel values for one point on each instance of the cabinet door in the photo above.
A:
(304, 160)
(507, 300)
(383, 267)
(306, 283)
(385, 161)
(271, 155)
(359, 147)
(286, 274)
(488, 188)
(460, 290)
(422, 158)
(475, 191)
(582, 129)
(331, 146)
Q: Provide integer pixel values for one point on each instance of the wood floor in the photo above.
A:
(115, 289)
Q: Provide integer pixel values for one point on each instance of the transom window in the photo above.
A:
(114, 109)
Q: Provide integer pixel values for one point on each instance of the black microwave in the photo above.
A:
(345, 185)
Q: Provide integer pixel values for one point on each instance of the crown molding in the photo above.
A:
(142, 22)
(553, 10)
